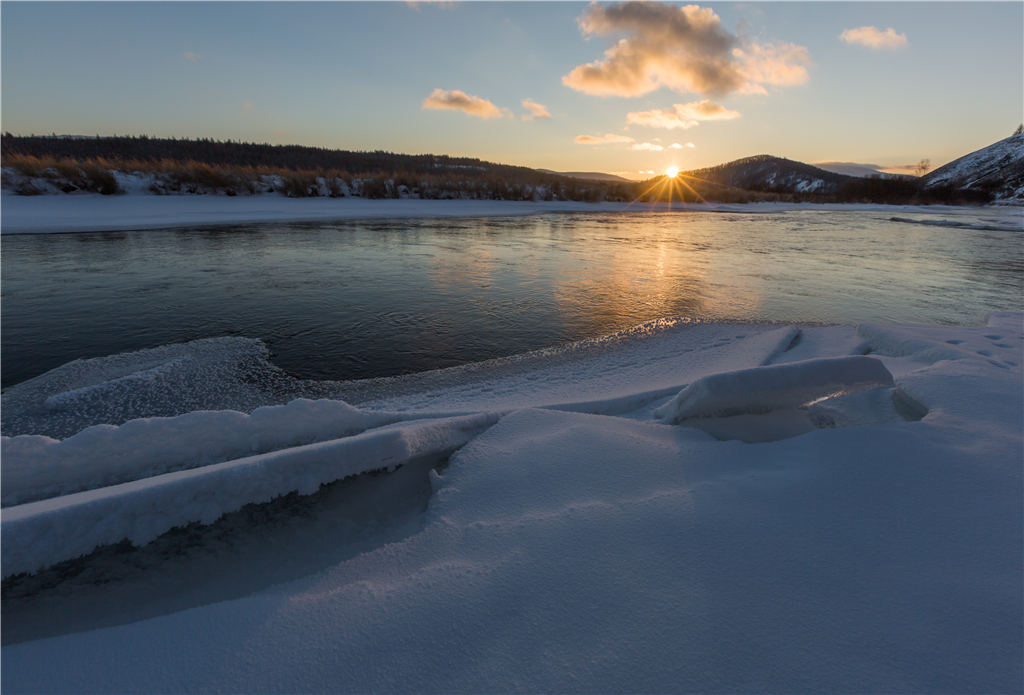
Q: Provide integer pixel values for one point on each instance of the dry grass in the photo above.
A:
(68, 175)
(27, 175)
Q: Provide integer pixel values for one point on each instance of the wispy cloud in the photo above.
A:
(682, 115)
(192, 57)
(536, 110)
(440, 4)
(457, 100)
(677, 146)
(902, 169)
(608, 139)
(873, 37)
(647, 147)
(682, 48)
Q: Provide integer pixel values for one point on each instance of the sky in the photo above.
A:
(626, 88)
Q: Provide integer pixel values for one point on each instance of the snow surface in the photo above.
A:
(574, 542)
(137, 211)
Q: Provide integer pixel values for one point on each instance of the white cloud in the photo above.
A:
(682, 48)
(440, 4)
(647, 147)
(682, 115)
(457, 100)
(873, 37)
(607, 139)
(536, 110)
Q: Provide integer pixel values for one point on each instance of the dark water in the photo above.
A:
(378, 298)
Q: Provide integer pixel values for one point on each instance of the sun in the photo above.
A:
(671, 172)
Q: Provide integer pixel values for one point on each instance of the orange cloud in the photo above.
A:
(677, 146)
(772, 63)
(682, 48)
(607, 139)
(873, 37)
(647, 146)
(193, 57)
(536, 110)
(682, 115)
(456, 100)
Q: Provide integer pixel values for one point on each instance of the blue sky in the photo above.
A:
(451, 78)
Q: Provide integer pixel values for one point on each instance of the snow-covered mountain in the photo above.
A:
(767, 173)
(997, 169)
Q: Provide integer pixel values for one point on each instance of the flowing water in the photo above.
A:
(362, 299)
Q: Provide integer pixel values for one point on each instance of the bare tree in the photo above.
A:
(922, 167)
(1020, 129)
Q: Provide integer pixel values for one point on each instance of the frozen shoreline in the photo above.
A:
(49, 214)
(575, 540)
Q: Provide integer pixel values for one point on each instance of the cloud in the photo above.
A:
(440, 4)
(460, 101)
(677, 146)
(607, 139)
(536, 110)
(682, 115)
(901, 169)
(772, 63)
(873, 37)
(682, 48)
(193, 57)
(647, 146)
(279, 133)
(246, 105)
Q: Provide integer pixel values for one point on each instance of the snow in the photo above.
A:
(763, 389)
(868, 539)
(138, 211)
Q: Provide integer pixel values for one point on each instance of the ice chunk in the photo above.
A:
(39, 534)
(37, 467)
(763, 389)
(209, 374)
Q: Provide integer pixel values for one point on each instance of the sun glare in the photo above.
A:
(671, 172)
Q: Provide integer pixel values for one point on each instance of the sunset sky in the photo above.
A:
(622, 88)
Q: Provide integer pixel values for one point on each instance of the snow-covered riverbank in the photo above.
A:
(96, 213)
(869, 540)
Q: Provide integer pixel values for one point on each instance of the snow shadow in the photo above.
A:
(242, 553)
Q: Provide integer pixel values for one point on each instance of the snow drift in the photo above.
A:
(569, 551)
(763, 389)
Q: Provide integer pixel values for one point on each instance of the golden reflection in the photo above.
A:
(614, 286)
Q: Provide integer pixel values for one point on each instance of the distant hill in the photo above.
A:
(53, 164)
(859, 170)
(997, 170)
(772, 174)
(586, 175)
